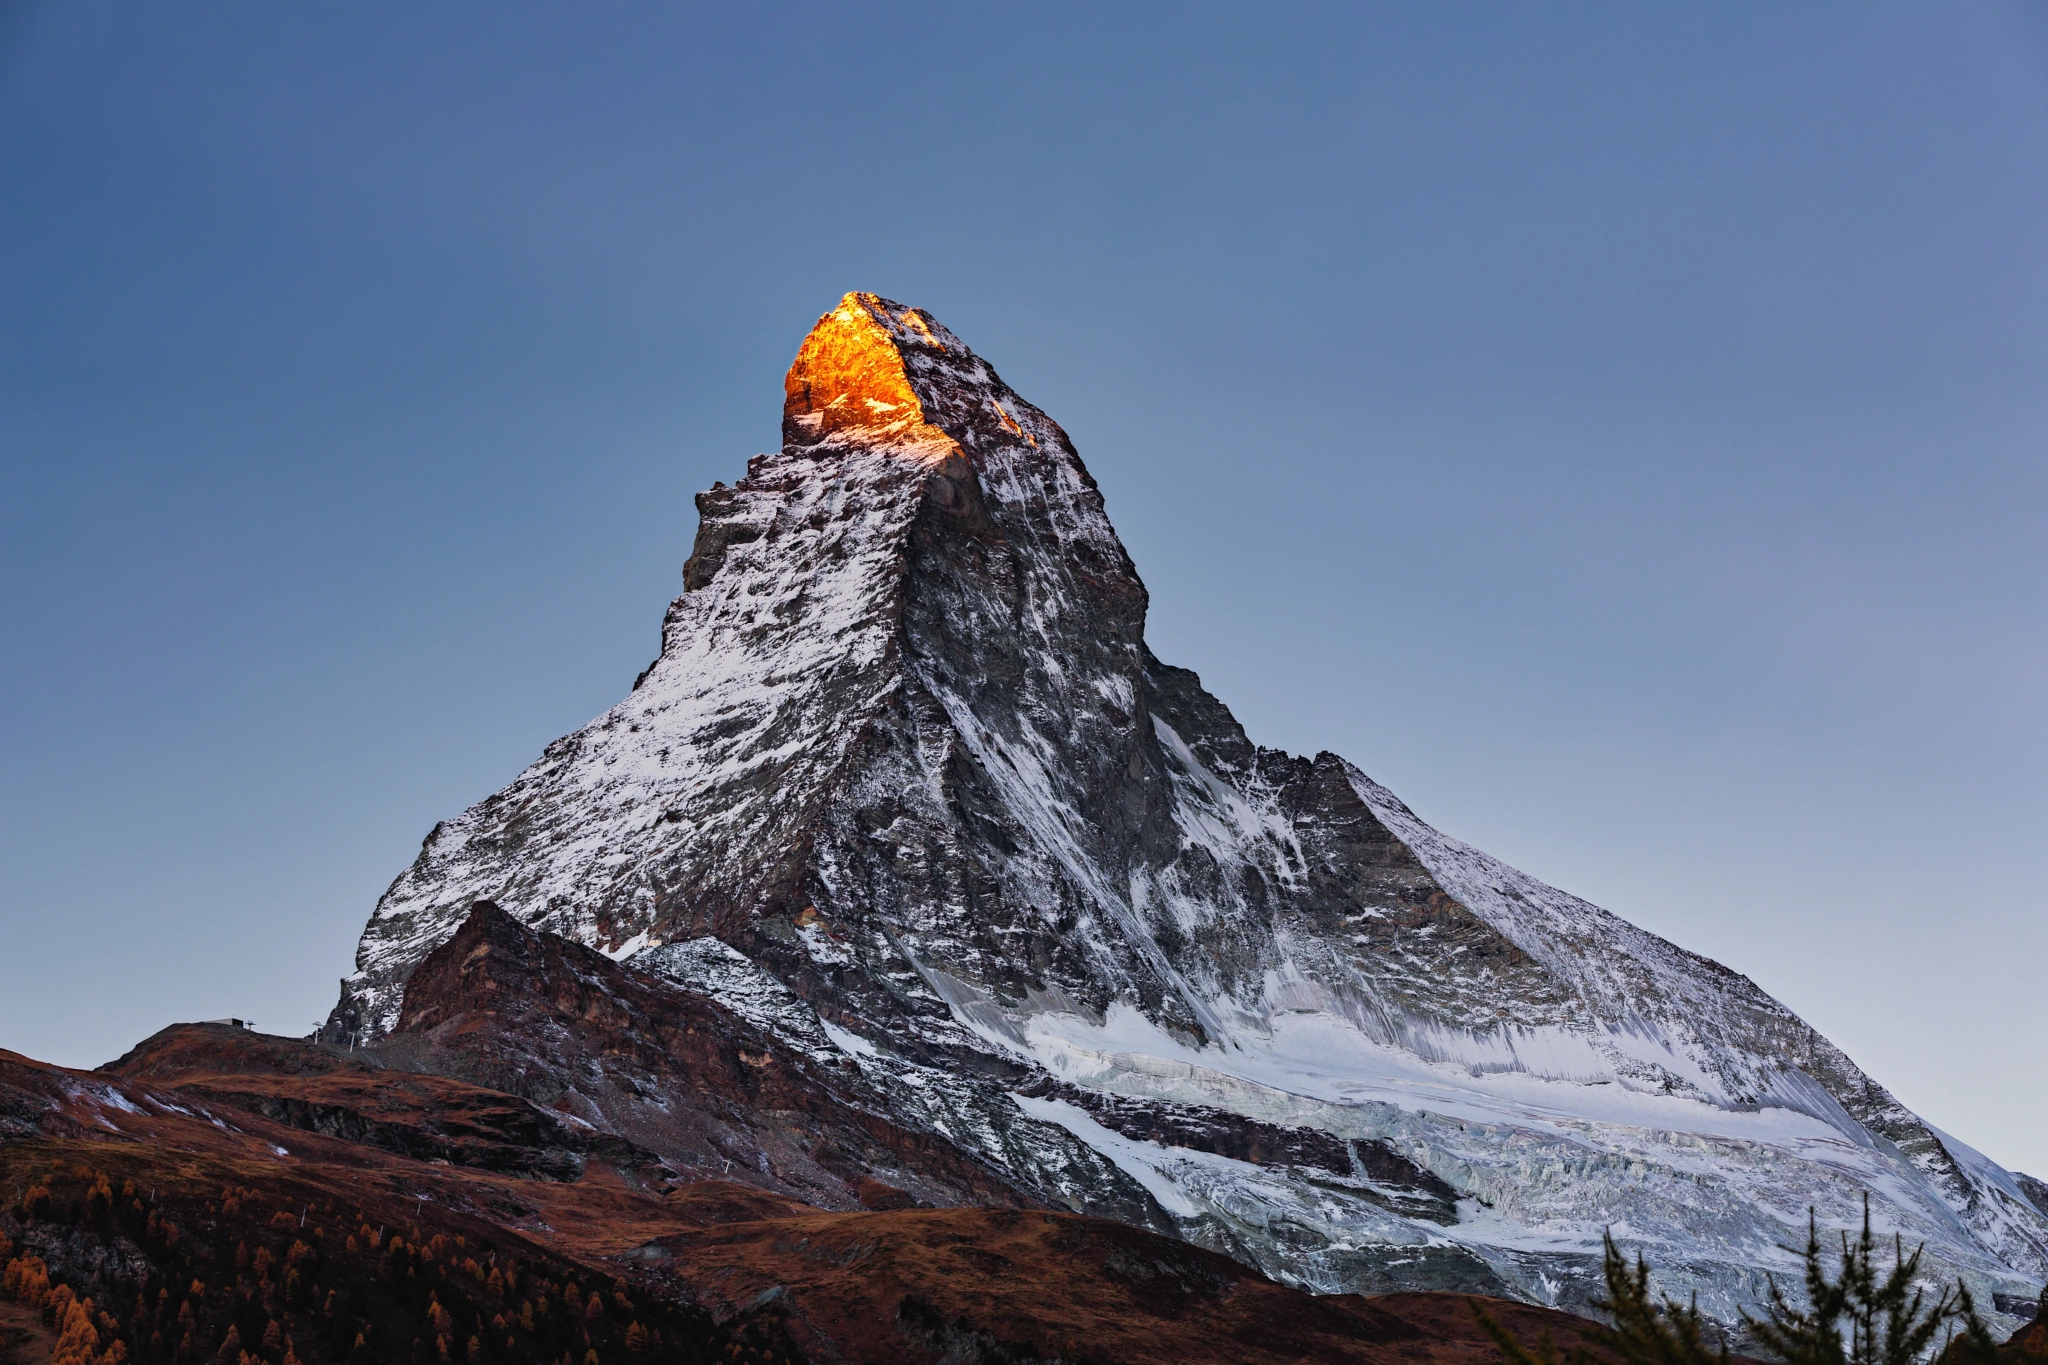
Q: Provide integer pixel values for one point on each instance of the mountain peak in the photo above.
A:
(881, 373)
(851, 371)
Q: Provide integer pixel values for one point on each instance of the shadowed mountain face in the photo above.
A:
(907, 794)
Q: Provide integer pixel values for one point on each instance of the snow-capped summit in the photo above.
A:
(906, 755)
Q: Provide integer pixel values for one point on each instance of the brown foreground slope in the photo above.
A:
(2029, 1345)
(390, 1216)
(1005, 1284)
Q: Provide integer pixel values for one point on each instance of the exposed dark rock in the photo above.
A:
(631, 1054)
(2036, 1191)
(306, 1086)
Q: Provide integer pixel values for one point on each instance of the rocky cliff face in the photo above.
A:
(905, 785)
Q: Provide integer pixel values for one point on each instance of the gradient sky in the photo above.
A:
(1620, 429)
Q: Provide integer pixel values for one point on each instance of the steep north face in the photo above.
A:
(906, 766)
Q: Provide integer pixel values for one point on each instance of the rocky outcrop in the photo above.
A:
(621, 1051)
(2036, 1191)
(429, 1118)
(906, 790)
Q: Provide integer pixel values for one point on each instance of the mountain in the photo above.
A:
(906, 792)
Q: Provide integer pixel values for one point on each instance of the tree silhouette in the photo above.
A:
(1862, 1316)
(1858, 1315)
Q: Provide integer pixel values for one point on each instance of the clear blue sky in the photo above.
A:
(1621, 429)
